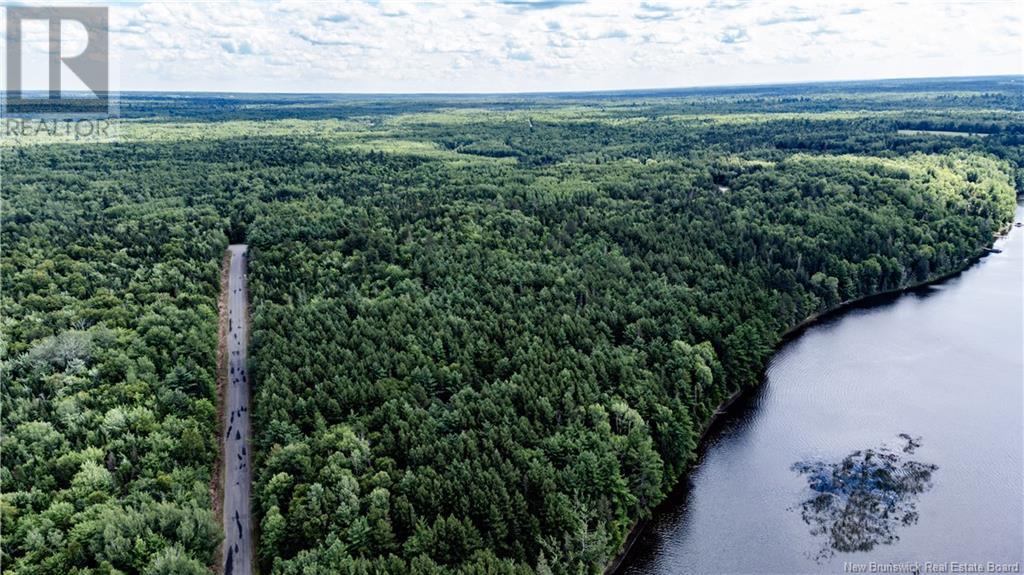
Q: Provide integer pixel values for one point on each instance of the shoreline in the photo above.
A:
(723, 409)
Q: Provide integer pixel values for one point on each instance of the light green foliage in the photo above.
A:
(109, 300)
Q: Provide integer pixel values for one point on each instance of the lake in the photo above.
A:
(889, 433)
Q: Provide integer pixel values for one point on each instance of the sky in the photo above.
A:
(539, 45)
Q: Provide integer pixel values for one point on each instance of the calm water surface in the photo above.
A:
(943, 366)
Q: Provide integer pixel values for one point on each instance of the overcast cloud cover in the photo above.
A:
(545, 45)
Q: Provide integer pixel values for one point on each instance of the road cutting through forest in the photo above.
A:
(237, 457)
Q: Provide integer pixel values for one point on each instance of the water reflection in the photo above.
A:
(904, 364)
(862, 500)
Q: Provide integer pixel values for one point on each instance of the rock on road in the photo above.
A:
(238, 544)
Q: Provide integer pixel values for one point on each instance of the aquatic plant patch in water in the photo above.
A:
(861, 501)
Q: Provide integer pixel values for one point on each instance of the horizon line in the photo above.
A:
(534, 93)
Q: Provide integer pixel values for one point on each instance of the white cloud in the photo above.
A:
(386, 45)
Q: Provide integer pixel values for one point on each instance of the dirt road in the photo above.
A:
(238, 544)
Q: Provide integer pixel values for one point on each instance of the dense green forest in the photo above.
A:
(487, 332)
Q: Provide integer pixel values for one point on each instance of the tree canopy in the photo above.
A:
(487, 334)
